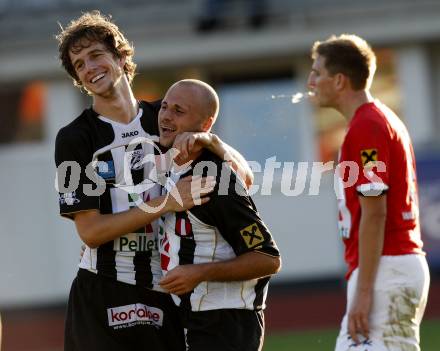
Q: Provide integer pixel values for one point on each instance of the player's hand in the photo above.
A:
(182, 279)
(190, 191)
(190, 142)
(358, 315)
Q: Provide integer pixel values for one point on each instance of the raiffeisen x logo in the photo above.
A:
(157, 167)
(252, 235)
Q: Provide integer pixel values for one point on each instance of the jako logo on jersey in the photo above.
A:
(135, 314)
(130, 134)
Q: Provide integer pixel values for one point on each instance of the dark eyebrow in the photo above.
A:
(176, 106)
(96, 51)
(179, 107)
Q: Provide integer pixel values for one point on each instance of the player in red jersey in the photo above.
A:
(388, 277)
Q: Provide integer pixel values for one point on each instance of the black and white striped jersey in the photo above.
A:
(122, 155)
(225, 227)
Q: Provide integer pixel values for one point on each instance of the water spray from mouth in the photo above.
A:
(295, 98)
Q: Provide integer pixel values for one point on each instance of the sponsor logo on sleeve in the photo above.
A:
(252, 235)
(369, 157)
(137, 314)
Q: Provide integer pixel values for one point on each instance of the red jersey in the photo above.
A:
(377, 157)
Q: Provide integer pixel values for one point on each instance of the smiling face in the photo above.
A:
(183, 110)
(322, 84)
(96, 67)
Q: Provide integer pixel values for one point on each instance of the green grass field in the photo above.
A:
(325, 339)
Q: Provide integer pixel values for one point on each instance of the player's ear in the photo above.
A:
(122, 60)
(207, 124)
(340, 81)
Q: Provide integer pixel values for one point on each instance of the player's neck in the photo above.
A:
(351, 101)
(120, 106)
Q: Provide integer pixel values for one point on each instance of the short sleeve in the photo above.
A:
(235, 216)
(367, 146)
(73, 154)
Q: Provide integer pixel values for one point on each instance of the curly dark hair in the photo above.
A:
(350, 55)
(94, 27)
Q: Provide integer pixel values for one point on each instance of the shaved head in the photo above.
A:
(206, 98)
(189, 105)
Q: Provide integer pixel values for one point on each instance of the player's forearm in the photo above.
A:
(96, 229)
(371, 237)
(238, 162)
(248, 266)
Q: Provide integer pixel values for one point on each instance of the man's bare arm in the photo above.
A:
(250, 265)
(371, 238)
(96, 229)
